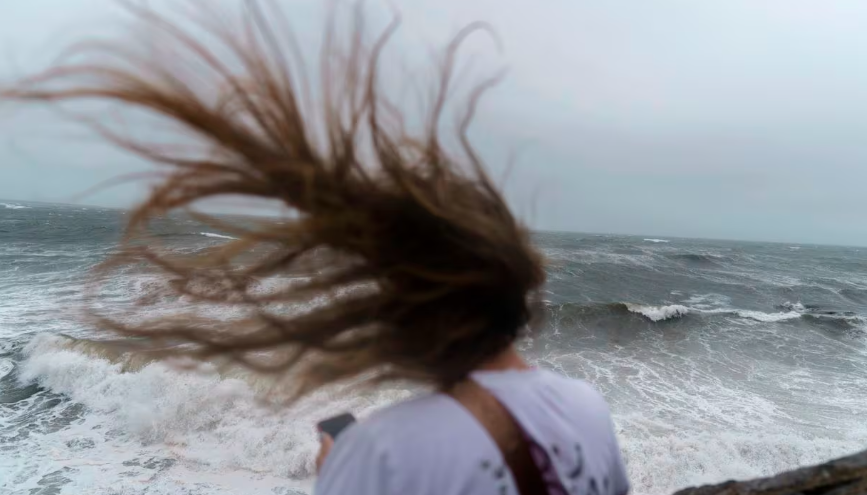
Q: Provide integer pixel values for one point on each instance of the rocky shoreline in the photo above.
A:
(843, 476)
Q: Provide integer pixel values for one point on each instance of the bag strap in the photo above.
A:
(506, 432)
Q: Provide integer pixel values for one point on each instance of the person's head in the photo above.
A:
(414, 267)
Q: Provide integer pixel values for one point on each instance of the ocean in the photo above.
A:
(719, 359)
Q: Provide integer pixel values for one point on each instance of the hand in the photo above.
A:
(325, 444)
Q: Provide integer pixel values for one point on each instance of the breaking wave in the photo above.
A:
(213, 419)
(217, 236)
(600, 312)
(658, 313)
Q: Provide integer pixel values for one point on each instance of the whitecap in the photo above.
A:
(707, 301)
(10, 206)
(217, 236)
(206, 419)
(6, 367)
(657, 240)
(768, 317)
(792, 313)
(667, 462)
(796, 307)
(658, 313)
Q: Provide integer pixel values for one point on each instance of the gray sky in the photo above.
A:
(742, 119)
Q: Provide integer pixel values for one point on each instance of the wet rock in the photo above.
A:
(844, 476)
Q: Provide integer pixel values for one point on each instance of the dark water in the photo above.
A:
(719, 359)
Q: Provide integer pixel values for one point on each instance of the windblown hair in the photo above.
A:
(415, 267)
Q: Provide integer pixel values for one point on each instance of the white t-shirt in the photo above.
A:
(433, 446)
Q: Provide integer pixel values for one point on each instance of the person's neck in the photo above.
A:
(509, 359)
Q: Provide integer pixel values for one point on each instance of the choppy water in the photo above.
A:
(719, 359)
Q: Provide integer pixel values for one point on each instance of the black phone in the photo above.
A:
(333, 426)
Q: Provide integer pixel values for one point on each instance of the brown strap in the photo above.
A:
(506, 433)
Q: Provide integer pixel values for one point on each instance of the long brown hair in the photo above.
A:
(415, 267)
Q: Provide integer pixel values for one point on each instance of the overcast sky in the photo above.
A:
(743, 119)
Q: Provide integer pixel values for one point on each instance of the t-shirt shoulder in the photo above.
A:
(429, 441)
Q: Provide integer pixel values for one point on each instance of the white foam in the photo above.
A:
(10, 206)
(798, 307)
(659, 313)
(663, 463)
(768, 317)
(657, 240)
(216, 236)
(203, 422)
(751, 314)
(718, 304)
(707, 301)
(688, 418)
(6, 367)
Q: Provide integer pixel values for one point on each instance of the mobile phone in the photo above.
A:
(333, 426)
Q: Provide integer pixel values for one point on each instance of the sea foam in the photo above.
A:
(658, 313)
(672, 311)
(6, 367)
(768, 317)
(663, 463)
(216, 236)
(216, 425)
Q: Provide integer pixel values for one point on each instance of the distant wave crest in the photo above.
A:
(657, 240)
(658, 313)
(154, 402)
(217, 236)
(767, 317)
(11, 206)
(604, 314)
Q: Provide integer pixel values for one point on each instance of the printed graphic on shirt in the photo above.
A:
(576, 483)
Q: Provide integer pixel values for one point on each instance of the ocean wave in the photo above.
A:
(6, 367)
(658, 313)
(848, 324)
(837, 323)
(661, 313)
(217, 236)
(698, 258)
(707, 301)
(797, 306)
(593, 256)
(765, 317)
(821, 314)
(603, 314)
(657, 240)
(858, 296)
(157, 425)
(211, 418)
(12, 206)
(666, 462)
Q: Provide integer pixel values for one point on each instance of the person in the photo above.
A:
(506, 429)
(398, 259)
